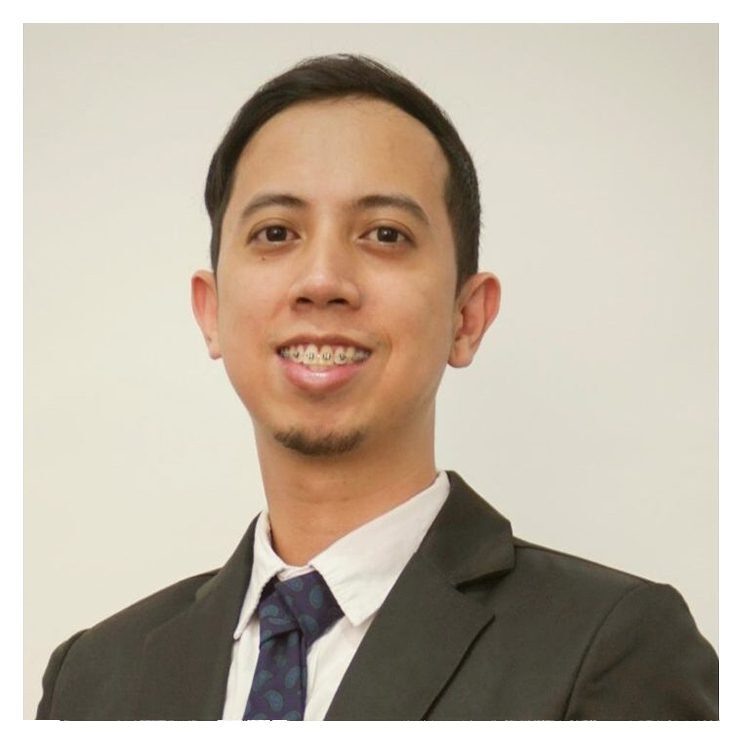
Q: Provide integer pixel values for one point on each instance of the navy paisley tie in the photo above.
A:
(293, 614)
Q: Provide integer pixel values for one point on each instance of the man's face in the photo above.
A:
(336, 241)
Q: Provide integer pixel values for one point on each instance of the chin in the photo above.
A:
(320, 444)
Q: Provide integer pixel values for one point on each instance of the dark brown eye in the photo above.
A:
(387, 234)
(276, 233)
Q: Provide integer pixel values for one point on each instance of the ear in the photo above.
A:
(205, 304)
(476, 308)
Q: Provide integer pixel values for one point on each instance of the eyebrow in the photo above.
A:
(371, 201)
(272, 199)
(399, 201)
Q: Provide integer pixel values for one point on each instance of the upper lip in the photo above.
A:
(322, 340)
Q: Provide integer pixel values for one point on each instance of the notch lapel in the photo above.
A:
(186, 659)
(427, 623)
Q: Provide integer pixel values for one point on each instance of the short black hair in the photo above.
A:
(338, 76)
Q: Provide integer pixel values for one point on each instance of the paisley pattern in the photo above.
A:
(293, 614)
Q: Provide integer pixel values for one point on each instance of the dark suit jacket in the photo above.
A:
(479, 626)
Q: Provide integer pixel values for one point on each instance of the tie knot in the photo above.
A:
(304, 603)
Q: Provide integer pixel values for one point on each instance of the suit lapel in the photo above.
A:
(428, 622)
(413, 647)
(186, 659)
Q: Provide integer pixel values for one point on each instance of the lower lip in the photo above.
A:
(329, 379)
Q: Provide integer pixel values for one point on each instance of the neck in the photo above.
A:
(314, 501)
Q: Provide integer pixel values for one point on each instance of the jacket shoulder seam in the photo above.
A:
(598, 629)
(520, 544)
(63, 651)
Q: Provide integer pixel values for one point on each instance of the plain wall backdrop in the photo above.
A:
(589, 417)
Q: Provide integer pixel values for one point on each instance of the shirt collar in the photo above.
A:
(359, 568)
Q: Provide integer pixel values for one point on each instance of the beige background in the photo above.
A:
(590, 415)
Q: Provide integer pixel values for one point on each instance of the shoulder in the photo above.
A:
(102, 662)
(561, 583)
(586, 641)
(132, 624)
(548, 593)
(591, 596)
(633, 648)
(545, 565)
(98, 673)
(137, 620)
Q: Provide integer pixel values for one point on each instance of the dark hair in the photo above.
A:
(337, 76)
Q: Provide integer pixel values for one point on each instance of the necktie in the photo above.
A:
(293, 614)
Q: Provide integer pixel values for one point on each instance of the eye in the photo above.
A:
(385, 234)
(274, 233)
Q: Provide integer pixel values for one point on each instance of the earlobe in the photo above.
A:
(476, 309)
(204, 302)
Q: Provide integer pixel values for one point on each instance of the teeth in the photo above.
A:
(327, 355)
(310, 354)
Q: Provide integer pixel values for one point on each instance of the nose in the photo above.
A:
(326, 276)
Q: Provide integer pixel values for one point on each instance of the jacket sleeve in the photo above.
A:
(647, 661)
(49, 681)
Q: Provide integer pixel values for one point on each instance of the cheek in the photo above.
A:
(242, 323)
(420, 328)
(247, 294)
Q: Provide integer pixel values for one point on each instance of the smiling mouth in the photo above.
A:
(323, 357)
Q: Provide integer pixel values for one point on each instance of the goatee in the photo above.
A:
(328, 445)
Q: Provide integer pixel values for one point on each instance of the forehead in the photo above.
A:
(341, 148)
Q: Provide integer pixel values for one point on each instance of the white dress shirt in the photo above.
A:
(360, 569)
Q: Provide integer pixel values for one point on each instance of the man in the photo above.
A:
(345, 225)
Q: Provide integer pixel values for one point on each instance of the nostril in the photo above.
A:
(335, 300)
(310, 291)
